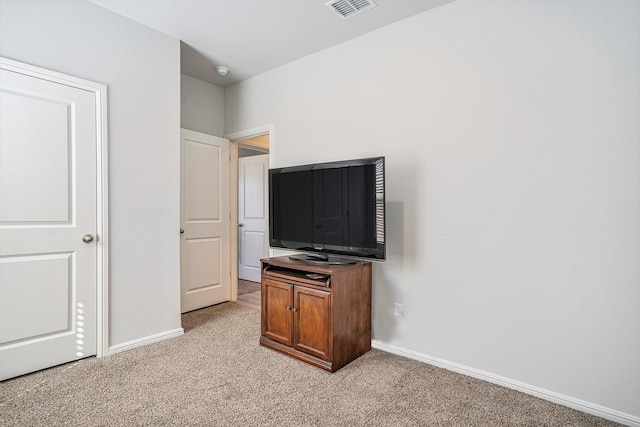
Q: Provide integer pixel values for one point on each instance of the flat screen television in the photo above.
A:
(332, 209)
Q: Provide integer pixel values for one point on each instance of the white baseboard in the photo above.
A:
(145, 340)
(580, 405)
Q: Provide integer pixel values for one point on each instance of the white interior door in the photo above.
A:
(253, 215)
(48, 199)
(204, 210)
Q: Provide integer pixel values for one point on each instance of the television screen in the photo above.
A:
(332, 208)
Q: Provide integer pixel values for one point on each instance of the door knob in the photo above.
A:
(87, 238)
(182, 231)
(240, 225)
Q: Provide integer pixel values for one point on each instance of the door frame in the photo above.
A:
(102, 192)
(236, 139)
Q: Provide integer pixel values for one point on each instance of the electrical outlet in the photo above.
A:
(398, 309)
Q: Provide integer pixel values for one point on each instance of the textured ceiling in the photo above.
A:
(253, 36)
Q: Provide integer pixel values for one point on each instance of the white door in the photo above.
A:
(48, 199)
(204, 215)
(253, 215)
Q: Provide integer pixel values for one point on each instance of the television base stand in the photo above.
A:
(319, 314)
(322, 259)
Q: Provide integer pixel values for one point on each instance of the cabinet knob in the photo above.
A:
(288, 307)
(294, 309)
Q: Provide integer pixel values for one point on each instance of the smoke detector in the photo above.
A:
(222, 70)
(349, 8)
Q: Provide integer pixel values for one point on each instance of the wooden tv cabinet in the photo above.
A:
(318, 313)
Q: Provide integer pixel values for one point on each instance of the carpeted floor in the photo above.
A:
(246, 287)
(218, 375)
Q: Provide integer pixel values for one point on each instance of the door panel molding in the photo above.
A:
(101, 239)
(253, 208)
(204, 220)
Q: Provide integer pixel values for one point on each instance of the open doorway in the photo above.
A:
(250, 159)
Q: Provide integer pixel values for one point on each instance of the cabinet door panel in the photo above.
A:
(277, 316)
(312, 320)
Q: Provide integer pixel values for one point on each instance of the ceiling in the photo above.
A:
(253, 36)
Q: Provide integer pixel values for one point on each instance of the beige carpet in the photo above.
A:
(218, 375)
(246, 287)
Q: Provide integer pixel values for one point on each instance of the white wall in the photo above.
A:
(142, 70)
(202, 106)
(511, 130)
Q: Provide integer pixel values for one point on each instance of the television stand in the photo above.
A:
(322, 259)
(317, 313)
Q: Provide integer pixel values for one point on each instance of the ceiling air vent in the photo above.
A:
(349, 8)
